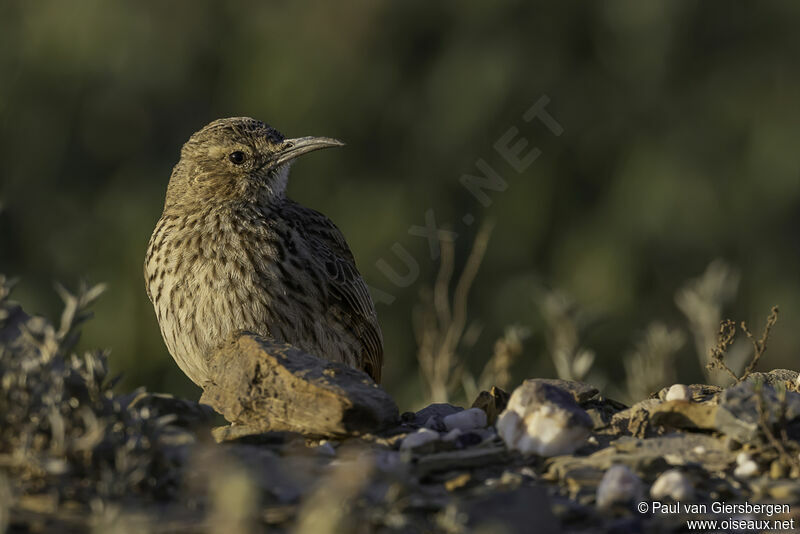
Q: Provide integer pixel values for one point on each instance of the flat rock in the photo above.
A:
(270, 386)
(684, 414)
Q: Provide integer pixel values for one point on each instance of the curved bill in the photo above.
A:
(292, 148)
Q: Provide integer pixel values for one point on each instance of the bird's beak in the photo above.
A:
(292, 148)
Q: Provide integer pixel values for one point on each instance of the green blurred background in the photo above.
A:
(681, 126)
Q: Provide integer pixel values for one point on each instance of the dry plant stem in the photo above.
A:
(759, 346)
(725, 338)
(439, 331)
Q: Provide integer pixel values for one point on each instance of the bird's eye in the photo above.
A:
(237, 158)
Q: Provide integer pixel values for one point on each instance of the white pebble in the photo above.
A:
(679, 392)
(619, 485)
(466, 420)
(746, 467)
(673, 484)
(746, 470)
(419, 438)
(699, 450)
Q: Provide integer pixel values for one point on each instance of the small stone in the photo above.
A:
(673, 484)
(785, 491)
(543, 419)
(619, 485)
(746, 467)
(421, 437)
(700, 450)
(457, 482)
(679, 392)
(777, 470)
(466, 420)
(436, 410)
(746, 470)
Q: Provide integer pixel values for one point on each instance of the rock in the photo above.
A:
(580, 391)
(418, 439)
(774, 377)
(492, 402)
(434, 415)
(457, 482)
(746, 467)
(277, 387)
(738, 413)
(678, 392)
(673, 484)
(460, 459)
(466, 420)
(543, 419)
(620, 486)
(785, 491)
(683, 414)
(777, 469)
(635, 419)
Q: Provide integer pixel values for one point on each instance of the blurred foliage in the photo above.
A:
(680, 124)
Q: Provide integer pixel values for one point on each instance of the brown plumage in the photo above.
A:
(232, 253)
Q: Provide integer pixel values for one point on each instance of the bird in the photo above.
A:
(232, 253)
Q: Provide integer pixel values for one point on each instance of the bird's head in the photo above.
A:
(237, 159)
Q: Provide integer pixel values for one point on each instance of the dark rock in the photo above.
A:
(273, 386)
(438, 411)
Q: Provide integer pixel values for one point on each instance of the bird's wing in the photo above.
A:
(350, 302)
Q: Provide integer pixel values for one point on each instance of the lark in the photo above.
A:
(232, 253)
